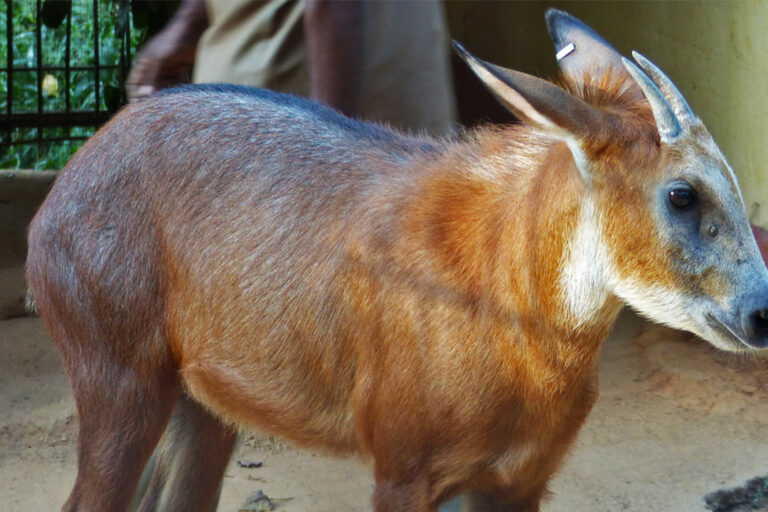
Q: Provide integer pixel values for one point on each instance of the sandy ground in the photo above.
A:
(675, 421)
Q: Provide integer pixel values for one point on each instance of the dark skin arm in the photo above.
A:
(334, 32)
(167, 58)
(334, 36)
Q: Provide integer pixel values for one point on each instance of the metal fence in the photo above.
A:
(60, 81)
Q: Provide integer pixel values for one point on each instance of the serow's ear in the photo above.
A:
(540, 103)
(581, 52)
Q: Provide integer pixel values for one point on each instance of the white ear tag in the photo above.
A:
(565, 51)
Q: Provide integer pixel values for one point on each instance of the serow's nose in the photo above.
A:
(755, 326)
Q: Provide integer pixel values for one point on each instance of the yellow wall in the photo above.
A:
(715, 51)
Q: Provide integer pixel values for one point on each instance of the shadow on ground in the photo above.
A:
(675, 421)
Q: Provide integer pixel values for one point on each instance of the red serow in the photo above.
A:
(218, 256)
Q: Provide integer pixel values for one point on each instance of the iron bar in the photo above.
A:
(96, 60)
(62, 68)
(67, 57)
(53, 139)
(53, 119)
(39, 55)
(9, 30)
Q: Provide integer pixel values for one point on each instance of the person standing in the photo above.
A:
(380, 61)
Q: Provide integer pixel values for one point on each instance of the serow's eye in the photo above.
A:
(682, 197)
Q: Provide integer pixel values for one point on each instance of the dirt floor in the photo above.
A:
(675, 421)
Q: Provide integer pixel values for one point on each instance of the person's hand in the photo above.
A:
(167, 59)
(157, 66)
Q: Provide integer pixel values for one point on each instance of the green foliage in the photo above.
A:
(115, 22)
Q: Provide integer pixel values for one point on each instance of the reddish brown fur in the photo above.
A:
(418, 322)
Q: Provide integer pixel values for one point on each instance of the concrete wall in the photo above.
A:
(21, 192)
(714, 50)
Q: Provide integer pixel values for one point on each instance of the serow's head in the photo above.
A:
(662, 222)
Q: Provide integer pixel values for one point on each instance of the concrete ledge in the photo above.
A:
(29, 175)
